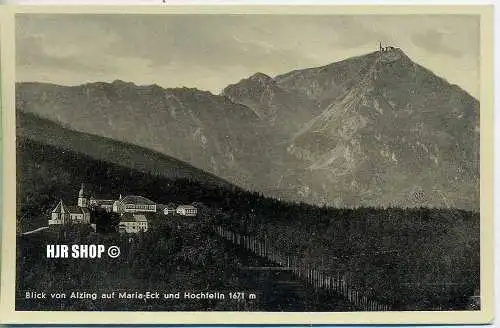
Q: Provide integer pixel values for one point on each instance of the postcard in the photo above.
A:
(247, 164)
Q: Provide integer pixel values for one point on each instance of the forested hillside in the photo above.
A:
(389, 252)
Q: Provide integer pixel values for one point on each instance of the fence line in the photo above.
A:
(314, 276)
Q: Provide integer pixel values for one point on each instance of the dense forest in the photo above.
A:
(412, 259)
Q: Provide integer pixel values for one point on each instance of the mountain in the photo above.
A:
(42, 133)
(389, 133)
(399, 136)
(372, 130)
(205, 130)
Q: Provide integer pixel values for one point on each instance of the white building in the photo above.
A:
(187, 210)
(169, 209)
(133, 223)
(134, 204)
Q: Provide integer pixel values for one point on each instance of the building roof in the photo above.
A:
(133, 217)
(108, 202)
(77, 210)
(138, 200)
(60, 208)
(186, 207)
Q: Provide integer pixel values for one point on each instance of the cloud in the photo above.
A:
(212, 51)
(434, 41)
(42, 42)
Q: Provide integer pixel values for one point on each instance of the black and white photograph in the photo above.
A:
(249, 162)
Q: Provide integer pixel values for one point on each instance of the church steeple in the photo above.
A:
(82, 191)
(82, 197)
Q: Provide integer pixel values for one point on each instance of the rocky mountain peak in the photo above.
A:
(261, 78)
(255, 84)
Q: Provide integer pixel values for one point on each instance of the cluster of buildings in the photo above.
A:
(185, 210)
(388, 48)
(133, 211)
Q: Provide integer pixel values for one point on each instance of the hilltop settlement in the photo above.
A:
(133, 211)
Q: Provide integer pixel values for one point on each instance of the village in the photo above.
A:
(133, 211)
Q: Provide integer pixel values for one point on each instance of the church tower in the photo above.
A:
(82, 198)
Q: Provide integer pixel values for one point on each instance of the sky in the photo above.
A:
(210, 52)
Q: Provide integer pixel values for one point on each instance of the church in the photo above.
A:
(67, 214)
(132, 210)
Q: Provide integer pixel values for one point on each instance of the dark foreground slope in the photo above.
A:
(173, 256)
(35, 128)
(410, 259)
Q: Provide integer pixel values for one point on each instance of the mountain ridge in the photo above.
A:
(364, 131)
